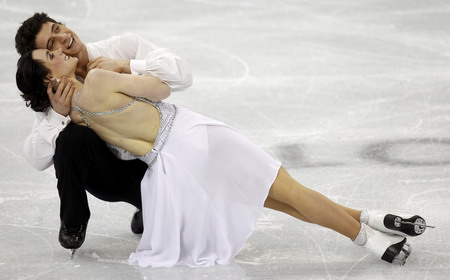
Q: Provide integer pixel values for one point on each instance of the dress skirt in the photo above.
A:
(203, 195)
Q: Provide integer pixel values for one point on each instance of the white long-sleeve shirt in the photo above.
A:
(145, 58)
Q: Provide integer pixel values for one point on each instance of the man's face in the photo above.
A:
(53, 36)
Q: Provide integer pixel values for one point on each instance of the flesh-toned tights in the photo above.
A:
(289, 196)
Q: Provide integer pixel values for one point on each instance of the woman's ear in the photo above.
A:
(48, 79)
(53, 80)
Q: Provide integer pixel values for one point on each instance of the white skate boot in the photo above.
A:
(402, 224)
(390, 248)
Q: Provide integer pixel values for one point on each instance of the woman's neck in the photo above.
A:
(83, 60)
(77, 84)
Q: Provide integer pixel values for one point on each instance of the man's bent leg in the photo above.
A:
(75, 148)
(112, 179)
(122, 184)
(82, 161)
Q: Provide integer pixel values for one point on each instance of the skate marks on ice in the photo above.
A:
(413, 152)
(344, 39)
(230, 69)
(278, 245)
(78, 9)
(297, 156)
(35, 252)
(410, 152)
(28, 255)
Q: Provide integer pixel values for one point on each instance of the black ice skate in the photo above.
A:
(72, 237)
(403, 224)
(390, 248)
(137, 225)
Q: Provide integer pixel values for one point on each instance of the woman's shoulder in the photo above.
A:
(95, 85)
(100, 81)
(96, 75)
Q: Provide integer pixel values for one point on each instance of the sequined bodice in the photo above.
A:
(167, 114)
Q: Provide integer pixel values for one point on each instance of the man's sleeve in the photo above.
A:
(39, 147)
(148, 59)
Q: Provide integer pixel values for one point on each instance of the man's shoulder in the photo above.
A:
(120, 37)
(102, 47)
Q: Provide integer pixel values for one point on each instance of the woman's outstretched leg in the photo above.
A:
(283, 207)
(398, 224)
(289, 196)
(315, 207)
(356, 214)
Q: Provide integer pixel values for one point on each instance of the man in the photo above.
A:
(82, 160)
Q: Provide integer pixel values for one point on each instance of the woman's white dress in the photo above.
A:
(203, 191)
(203, 195)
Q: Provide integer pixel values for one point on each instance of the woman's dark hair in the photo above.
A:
(26, 34)
(30, 77)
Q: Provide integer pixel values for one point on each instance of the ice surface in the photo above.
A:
(352, 95)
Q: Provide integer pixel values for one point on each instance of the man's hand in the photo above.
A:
(62, 98)
(116, 65)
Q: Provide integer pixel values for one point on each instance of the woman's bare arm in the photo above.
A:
(103, 82)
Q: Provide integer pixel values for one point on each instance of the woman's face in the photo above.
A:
(56, 61)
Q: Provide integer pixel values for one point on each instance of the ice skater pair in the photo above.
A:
(205, 183)
(81, 159)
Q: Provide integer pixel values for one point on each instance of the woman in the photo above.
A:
(206, 184)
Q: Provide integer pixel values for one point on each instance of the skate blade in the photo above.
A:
(72, 253)
(417, 224)
(412, 226)
(400, 259)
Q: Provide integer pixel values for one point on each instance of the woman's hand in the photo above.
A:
(61, 100)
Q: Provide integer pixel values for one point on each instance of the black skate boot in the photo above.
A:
(137, 225)
(390, 248)
(402, 224)
(72, 237)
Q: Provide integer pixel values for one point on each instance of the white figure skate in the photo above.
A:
(402, 224)
(390, 248)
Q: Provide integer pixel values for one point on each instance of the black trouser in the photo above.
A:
(83, 162)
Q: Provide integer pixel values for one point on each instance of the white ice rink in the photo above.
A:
(352, 95)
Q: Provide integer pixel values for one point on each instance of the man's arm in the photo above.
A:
(144, 58)
(39, 146)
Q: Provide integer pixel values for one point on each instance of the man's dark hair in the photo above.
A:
(26, 34)
(30, 77)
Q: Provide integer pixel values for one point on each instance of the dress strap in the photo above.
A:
(82, 112)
